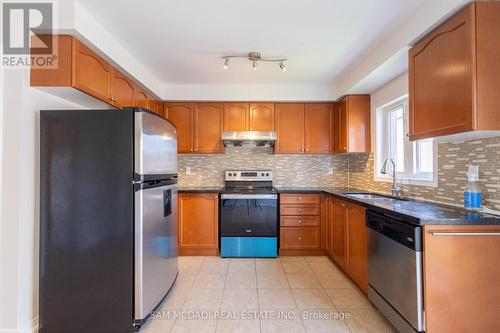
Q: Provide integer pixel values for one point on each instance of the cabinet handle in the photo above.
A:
(300, 238)
(300, 209)
(342, 204)
(191, 149)
(194, 149)
(299, 198)
(300, 221)
(465, 233)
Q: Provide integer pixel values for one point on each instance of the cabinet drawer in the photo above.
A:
(299, 238)
(299, 221)
(300, 210)
(300, 199)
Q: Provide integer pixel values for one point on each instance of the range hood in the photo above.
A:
(248, 139)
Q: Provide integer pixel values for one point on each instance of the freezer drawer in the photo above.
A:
(155, 245)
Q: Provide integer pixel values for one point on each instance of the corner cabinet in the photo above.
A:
(352, 125)
(455, 74)
(461, 278)
(303, 128)
(198, 232)
(199, 127)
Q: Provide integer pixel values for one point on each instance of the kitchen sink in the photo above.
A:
(372, 196)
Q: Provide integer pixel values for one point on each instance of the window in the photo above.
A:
(415, 161)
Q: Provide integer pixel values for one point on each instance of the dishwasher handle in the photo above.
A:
(404, 233)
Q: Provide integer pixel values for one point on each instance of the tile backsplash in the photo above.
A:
(355, 170)
(453, 161)
(290, 170)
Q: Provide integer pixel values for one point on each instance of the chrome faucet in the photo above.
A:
(395, 191)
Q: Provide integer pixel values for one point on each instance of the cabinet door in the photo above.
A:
(236, 117)
(208, 128)
(91, 74)
(299, 238)
(342, 123)
(358, 124)
(339, 233)
(198, 221)
(261, 117)
(357, 256)
(141, 98)
(317, 128)
(461, 278)
(122, 90)
(289, 128)
(181, 115)
(441, 82)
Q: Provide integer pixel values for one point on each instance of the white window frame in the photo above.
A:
(381, 147)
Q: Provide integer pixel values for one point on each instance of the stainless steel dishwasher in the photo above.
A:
(395, 270)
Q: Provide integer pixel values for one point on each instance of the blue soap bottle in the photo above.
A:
(472, 195)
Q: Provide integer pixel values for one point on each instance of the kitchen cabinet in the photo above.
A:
(339, 229)
(303, 128)
(199, 126)
(248, 117)
(79, 67)
(461, 278)
(198, 232)
(208, 128)
(357, 255)
(454, 73)
(317, 128)
(351, 124)
(181, 115)
(122, 90)
(300, 224)
(156, 106)
(141, 98)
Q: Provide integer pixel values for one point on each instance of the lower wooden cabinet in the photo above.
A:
(300, 238)
(462, 278)
(346, 240)
(198, 232)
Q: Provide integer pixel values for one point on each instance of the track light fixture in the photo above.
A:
(254, 57)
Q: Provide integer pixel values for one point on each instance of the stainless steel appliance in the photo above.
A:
(108, 218)
(249, 215)
(248, 138)
(395, 270)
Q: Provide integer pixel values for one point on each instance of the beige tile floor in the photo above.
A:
(287, 294)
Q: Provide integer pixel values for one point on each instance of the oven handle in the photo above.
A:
(249, 196)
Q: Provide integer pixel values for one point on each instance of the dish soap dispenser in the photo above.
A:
(472, 194)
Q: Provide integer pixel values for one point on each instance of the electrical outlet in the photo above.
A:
(188, 170)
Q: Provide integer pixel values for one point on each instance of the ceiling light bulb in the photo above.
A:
(282, 66)
(226, 63)
(254, 65)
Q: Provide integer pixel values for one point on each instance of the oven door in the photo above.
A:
(249, 215)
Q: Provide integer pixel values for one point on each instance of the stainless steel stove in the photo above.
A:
(249, 214)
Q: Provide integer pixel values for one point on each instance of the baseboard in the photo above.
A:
(28, 327)
(303, 252)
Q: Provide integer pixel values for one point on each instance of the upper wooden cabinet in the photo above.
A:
(248, 117)
(261, 117)
(198, 223)
(455, 74)
(208, 128)
(156, 106)
(351, 124)
(236, 117)
(461, 278)
(81, 68)
(289, 128)
(199, 126)
(181, 115)
(318, 127)
(123, 90)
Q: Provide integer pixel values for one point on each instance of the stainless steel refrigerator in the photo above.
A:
(108, 218)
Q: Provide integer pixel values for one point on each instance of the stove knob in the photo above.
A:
(267, 174)
(262, 174)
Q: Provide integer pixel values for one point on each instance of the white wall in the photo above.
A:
(19, 217)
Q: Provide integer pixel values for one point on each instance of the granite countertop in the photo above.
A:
(415, 211)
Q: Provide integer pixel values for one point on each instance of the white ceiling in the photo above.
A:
(181, 41)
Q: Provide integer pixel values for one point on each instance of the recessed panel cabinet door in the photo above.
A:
(339, 233)
(91, 74)
(317, 128)
(261, 117)
(357, 256)
(342, 126)
(123, 90)
(181, 115)
(236, 117)
(208, 128)
(289, 128)
(198, 221)
(441, 79)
